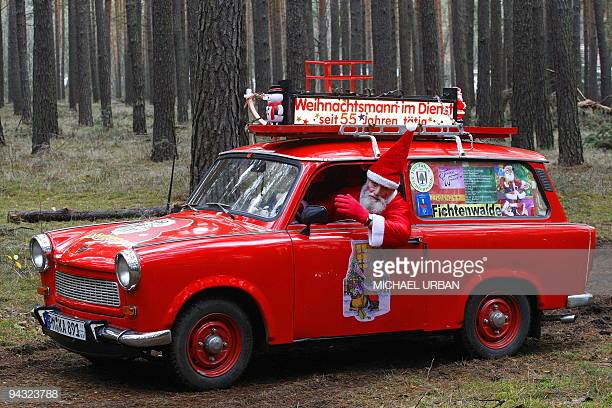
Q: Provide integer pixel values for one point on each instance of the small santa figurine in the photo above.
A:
(378, 205)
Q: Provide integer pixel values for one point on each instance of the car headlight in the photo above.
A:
(127, 268)
(40, 247)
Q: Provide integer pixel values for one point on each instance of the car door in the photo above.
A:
(326, 296)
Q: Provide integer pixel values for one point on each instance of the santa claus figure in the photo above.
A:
(378, 205)
(514, 191)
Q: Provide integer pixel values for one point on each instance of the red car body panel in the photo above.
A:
(295, 280)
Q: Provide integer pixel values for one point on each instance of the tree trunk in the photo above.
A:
(405, 40)
(576, 42)
(146, 58)
(542, 122)
(570, 141)
(483, 98)
(309, 30)
(118, 50)
(62, 95)
(193, 22)
(345, 31)
(417, 50)
(470, 93)
(296, 36)
(24, 74)
(262, 45)
(508, 48)
(104, 64)
(1, 65)
(127, 67)
(220, 62)
(93, 57)
(522, 102)
(459, 49)
(334, 13)
(85, 115)
(164, 136)
(496, 117)
(44, 123)
(322, 39)
(2, 141)
(73, 58)
(590, 41)
(356, 42)
(58, 47)
(440, 34)
(385, 78)
(14, 81)
(133, 13)
(182, 70)
(429, 45)
(277, 51)
(604, 55)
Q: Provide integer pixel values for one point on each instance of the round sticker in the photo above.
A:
(421, 177)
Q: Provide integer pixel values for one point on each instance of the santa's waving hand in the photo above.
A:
(378, 206)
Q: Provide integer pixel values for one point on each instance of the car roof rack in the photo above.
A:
(295, 115)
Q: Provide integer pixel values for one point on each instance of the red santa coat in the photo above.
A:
(389, 229)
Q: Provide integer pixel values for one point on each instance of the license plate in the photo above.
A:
(63, 325)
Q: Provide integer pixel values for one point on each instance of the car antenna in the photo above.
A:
(172, 175)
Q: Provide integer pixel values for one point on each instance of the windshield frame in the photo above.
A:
(261, 156)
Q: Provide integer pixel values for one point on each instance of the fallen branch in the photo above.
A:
(66, 214)
(588, 103)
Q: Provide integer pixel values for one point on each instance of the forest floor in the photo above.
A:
(89, 168)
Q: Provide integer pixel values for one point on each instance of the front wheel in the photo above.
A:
(495, 325)
(212, 344)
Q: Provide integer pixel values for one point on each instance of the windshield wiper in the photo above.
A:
(224, 209)
(191, 207)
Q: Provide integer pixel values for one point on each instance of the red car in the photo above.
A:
(246, 264)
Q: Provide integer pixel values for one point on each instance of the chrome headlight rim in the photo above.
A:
(127, 261)
(40, 249)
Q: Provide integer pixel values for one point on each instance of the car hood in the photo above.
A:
(96, 248)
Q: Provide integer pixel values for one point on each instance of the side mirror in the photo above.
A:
(313, 214)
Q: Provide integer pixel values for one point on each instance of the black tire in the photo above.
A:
(189, 366)
(480, 339)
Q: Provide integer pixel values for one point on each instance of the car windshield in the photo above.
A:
(247, 186)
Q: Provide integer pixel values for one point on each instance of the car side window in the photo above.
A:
(474, 189)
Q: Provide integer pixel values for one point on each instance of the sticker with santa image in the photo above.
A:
(359, 299)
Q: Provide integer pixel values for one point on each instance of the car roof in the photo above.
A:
(341, 150)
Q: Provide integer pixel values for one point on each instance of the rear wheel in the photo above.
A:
(495, 325)
(212, 344)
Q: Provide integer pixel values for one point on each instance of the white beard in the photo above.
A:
(374, 205)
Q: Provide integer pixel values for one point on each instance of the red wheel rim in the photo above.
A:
(498, 321)
(214, 345)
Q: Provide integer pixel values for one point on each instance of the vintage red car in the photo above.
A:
(245, 265)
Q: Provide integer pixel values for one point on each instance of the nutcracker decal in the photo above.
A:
(359, 300)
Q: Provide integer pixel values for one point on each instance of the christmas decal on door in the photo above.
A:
(359, 299)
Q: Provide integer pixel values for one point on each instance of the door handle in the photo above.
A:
(415, 241)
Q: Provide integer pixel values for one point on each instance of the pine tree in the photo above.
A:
(497, 65)
(85, 115)
(219, 93)
(262, 45)
(44, 120)
(570, 141)
(296, 38)
(604, 55)
(417, 50)
(470, 92)
(24, 74)
(483, 97)
(429, 45)
(73, 59)
(1, 64)
(459, 52)
(385, 78)
(93, 57)
(14, 82)
(508, 48)
(133, 13)
(182, 70)
(543, 121)
(104, 64)
(405, 39)
(164, 136)
(522, 102)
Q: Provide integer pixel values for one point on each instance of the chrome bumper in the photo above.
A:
(100, 331)
(579, 300)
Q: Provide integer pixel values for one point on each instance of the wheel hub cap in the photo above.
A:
(497, 319)
(213, 344)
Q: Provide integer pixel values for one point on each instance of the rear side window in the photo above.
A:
(469, 189)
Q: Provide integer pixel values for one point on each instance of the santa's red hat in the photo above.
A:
(386, 171)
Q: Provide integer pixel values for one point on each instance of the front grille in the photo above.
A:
(88, 290)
